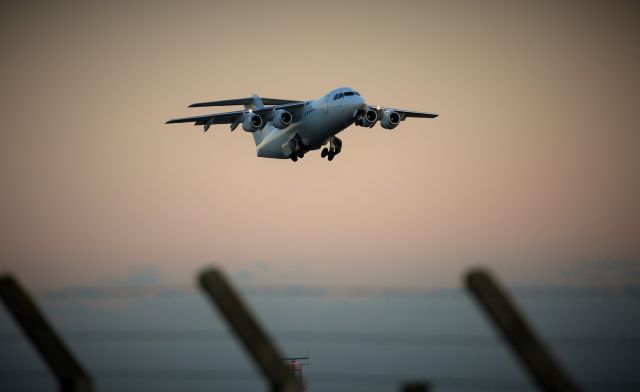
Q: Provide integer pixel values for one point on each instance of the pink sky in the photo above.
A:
(532, 167)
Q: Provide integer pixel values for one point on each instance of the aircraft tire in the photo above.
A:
(324, 152)
(330, 156)
(294, 158)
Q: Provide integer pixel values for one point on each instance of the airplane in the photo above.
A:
(288, 129)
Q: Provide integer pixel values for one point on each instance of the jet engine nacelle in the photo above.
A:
(281, 119)
(390, 119)
(368, 118)
(251, 122)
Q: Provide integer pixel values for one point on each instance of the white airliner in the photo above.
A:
(287, 129)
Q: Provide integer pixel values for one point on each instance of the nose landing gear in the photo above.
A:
(335, 146)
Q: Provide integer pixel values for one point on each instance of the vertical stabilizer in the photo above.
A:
(256, 103)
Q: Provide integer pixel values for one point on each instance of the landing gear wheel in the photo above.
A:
(335, 146)
(324, 152)
(300, 154)
(338, 145)
(294, 158)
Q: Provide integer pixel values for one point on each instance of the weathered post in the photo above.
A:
(533, 355)
(246, 327)
(416, 387)
(71, 376)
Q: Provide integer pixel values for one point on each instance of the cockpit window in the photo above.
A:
(335, 97)
(340, 95)
(348, 93)
(356, 93)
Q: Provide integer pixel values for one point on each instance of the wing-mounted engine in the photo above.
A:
(367, 118)
(252, 122)
(390, 119)
(281, 119)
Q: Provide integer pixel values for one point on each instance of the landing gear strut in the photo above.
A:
(335, 146)
(297, 148)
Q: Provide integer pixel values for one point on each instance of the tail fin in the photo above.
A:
(256, 103)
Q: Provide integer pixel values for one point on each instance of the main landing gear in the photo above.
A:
(335, 146)
(297, 148)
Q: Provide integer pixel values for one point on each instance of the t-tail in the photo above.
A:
(256, 103)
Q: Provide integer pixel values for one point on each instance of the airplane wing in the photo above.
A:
(405, 113)
(234, 117)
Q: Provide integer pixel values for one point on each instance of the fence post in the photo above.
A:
(416, 387)
(248, 330)
(533, 355)
(71, 376)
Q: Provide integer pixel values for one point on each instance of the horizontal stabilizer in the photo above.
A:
(242, 101)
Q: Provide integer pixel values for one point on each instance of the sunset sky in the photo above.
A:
(531, 169)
